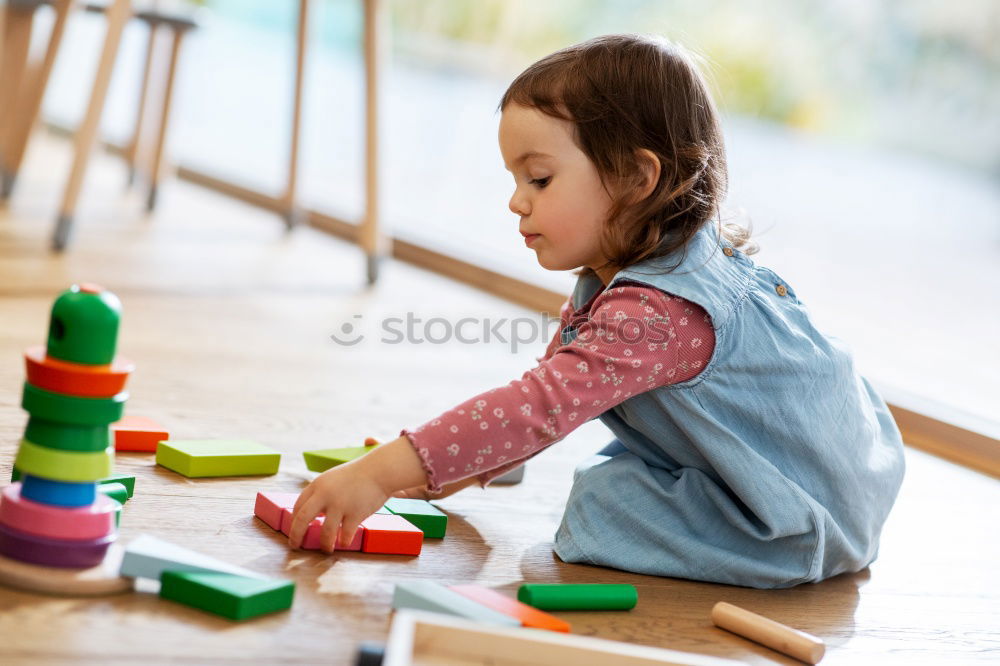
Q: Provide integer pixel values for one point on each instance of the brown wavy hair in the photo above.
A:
(624, 93)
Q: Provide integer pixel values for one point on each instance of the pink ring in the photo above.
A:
(83, 523)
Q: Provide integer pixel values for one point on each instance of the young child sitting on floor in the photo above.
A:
(748, 449)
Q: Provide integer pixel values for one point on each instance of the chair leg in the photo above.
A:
(117, 15)
(132, 149)
(156, 163)
(31, 94)
(17, 22)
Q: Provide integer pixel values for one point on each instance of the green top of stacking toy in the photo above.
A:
(84, 325)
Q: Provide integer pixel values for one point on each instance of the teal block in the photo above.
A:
(228, 595)
(115, 491)
(124, 479)
(421, 513)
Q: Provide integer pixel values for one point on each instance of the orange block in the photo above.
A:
(390, 534)
(92, 381)
(138, 433)
(529, 616)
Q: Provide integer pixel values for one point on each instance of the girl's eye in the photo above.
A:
(540, 182)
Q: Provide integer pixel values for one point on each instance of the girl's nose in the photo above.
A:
(519, 204)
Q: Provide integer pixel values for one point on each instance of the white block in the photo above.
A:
(429, 596)
(147, 557)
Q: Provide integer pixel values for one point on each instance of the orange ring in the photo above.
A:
(97, 381)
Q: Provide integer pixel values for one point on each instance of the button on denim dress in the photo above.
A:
(776, 465)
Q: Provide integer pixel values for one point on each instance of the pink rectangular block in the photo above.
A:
(269, 505)
(311, 541)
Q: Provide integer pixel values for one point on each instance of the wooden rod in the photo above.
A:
(798, 644)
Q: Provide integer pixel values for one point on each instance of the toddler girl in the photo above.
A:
(747, 448)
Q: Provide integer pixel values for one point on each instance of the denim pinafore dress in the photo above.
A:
(776, 465)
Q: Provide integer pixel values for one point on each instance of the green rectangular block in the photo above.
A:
(124, 479)
(217, 457)
(421, 513)
(228, 595)
(321, 460)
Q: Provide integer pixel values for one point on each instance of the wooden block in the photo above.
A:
(579, 596)
(124, 479)
(70, 409)
(269, 504)
(525, 614)
(138, 433)
(115, 491)
(421, 513)
(217, 457)
(430, 596)
(235, 597)
(311, 541)
(321, 460)
(147, 557)
(67, 437)
(391, 535)
(57, 465)
(54, 522)
(96, 381)
(58, 493)
(431, 638)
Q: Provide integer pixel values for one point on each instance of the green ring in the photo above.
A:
(68, 437)
(62, 408)
(56, 465)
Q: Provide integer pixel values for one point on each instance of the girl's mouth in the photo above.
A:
(530, 238)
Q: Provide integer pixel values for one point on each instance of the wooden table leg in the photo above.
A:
(156, 162)
(372, 242)
(117, 15)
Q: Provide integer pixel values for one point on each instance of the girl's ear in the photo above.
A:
(649, 164)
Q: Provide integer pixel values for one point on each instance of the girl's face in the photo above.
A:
(558, 194)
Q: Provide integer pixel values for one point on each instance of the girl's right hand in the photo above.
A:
(349, 493)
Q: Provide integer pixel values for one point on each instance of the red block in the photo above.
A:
(391, 535)
(138, 433)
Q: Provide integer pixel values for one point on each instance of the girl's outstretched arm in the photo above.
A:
(349, 493)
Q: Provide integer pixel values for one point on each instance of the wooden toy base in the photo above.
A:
(94, 582)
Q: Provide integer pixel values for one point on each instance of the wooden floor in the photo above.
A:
(228, 320)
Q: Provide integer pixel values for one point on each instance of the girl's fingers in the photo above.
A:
(348, 528)
(301, 518)
(329, 534)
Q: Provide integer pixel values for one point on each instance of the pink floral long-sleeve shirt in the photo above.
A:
(630, 339)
